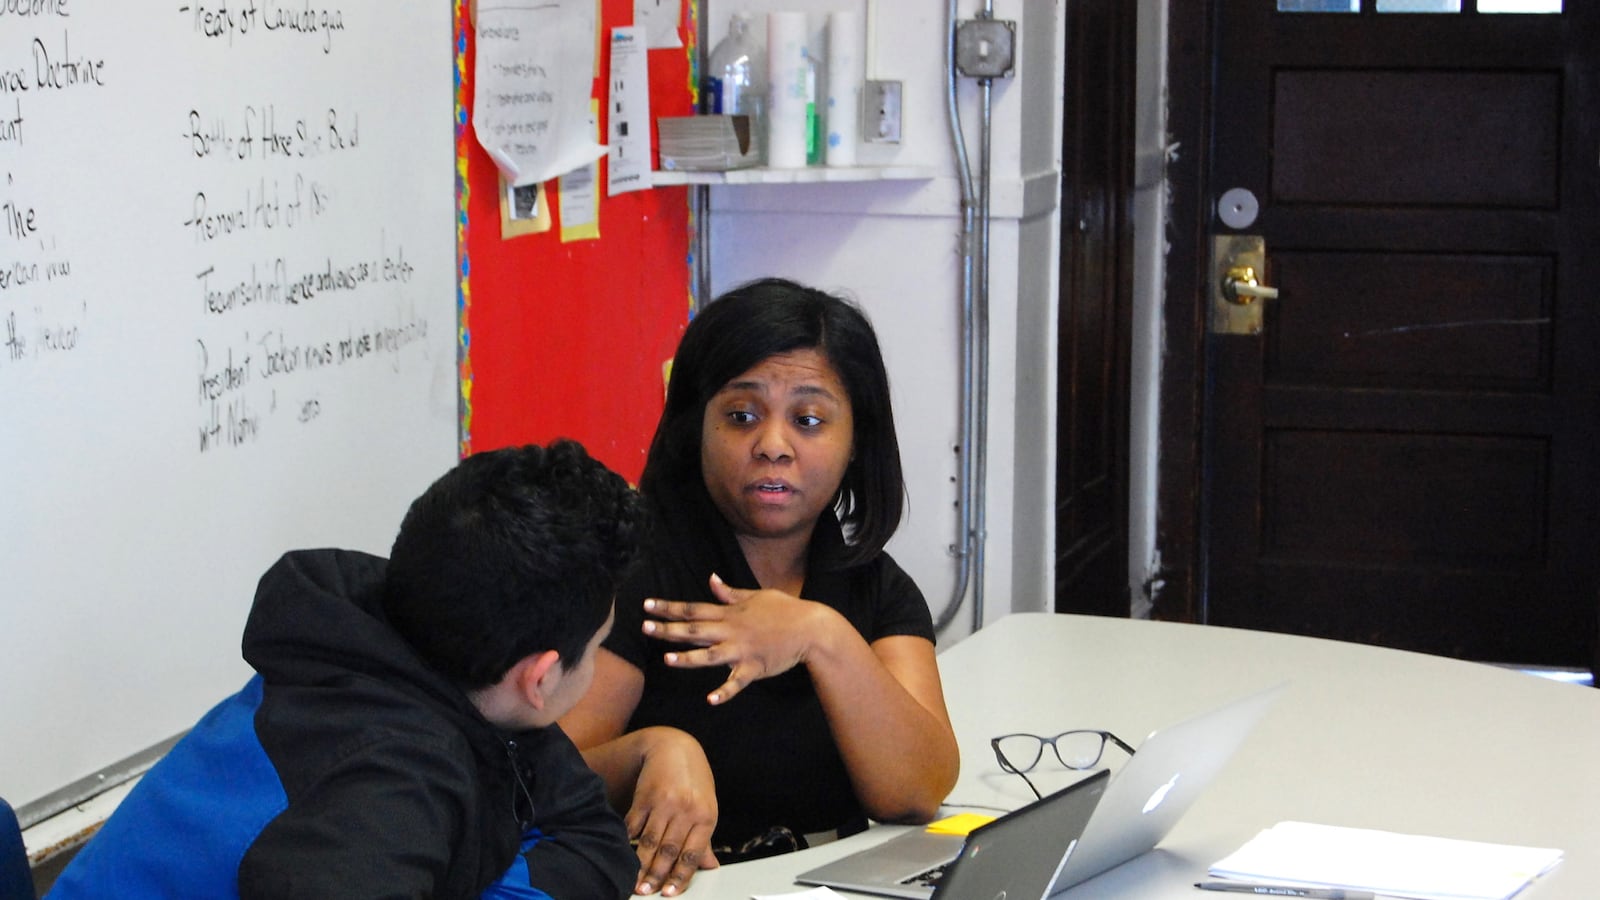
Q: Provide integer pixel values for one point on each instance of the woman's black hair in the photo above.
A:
(761, 319)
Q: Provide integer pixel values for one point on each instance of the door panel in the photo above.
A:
(1395, 137)
(1405, 453)
(1332, 500)
(1462, 322)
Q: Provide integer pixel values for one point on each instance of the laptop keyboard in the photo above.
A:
(931, 877)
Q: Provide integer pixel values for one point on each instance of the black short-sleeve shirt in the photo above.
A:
(771, 752)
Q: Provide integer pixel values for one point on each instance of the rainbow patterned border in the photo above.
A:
(691, 47)
(463, 262)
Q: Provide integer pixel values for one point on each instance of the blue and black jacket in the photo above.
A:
(347, 768)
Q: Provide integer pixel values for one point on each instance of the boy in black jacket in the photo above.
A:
(397, 739)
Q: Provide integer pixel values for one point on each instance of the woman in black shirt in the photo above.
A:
(727, 712)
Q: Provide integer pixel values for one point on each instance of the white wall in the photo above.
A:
(894, 246)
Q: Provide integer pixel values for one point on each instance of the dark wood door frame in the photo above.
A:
(1095, 299)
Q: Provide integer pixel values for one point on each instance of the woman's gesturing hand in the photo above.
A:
(758, 634)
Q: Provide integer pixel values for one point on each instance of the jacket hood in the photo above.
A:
(318, 620)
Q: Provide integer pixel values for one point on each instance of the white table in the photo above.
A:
(1364, 737)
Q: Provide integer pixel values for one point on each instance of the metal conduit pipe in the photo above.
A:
(960, 549)
(981, 338)
(972, 441)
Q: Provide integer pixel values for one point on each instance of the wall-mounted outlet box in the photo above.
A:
(880, 112)
(986, 48)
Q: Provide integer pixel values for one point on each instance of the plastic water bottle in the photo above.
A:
(736, 82)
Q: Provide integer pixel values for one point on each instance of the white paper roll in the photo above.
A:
(846, 71)
(786, 81)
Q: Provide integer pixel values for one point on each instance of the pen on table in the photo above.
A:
(1284, 890)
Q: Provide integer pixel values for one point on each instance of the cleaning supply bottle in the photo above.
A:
(813, 113)
(736, 81)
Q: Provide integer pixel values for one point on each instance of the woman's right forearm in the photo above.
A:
(618, 763)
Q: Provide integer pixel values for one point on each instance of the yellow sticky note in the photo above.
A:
(960, 824)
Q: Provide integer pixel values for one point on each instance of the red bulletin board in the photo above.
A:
(569, 339)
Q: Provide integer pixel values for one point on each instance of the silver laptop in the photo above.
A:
(1014, 856)
(1159, 783)
(1132, 812)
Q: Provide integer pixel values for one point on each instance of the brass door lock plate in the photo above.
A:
(1237, 262)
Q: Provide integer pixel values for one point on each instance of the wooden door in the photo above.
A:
(1405, 454)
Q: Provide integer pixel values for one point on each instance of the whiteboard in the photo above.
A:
(227, 330)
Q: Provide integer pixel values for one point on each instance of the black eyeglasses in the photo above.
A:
(1078, 749)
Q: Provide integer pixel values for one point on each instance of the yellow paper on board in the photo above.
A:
(578, 194)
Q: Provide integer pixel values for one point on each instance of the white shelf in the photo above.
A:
(808, 175)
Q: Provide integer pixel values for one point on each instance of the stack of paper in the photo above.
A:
(1395, 865)
(707, 143)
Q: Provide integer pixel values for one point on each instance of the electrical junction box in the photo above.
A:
(986, 48)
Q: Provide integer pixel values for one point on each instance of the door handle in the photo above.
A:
(1239, 285)
(1238, 262)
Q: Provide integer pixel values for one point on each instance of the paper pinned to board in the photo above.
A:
(659, 20)
(628, 158)
(1394, 865)
(531, 87)
(577, 194)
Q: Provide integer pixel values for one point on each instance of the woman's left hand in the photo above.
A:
(758, 633)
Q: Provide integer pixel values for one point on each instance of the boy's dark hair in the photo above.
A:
(512, 552)
(764, 318)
